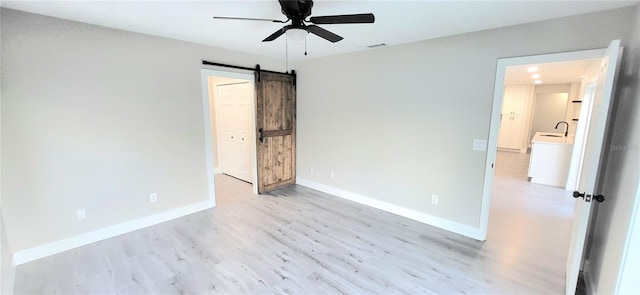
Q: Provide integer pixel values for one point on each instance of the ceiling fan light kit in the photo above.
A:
(297, 11)
(297, 34)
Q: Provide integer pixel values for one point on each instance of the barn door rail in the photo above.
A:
(257, 69)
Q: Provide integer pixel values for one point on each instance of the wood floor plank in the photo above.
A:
(296, 240)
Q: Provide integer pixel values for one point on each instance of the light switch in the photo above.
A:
(479, 145)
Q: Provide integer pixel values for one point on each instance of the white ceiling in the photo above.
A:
(396, 21)
(550, 73)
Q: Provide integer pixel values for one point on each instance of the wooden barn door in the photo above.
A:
(276, 130)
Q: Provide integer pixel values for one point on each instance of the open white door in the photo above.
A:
(592, 160)
(233, 120)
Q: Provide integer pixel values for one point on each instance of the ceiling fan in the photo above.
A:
(297, 12)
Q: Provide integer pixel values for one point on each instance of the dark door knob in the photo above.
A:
(587, 198)
(577, 194)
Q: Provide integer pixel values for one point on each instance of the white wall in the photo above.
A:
(544, 89)
(552, 88)
(396, 123)
(548, 110)
(98, 118)
(7, 269)
(621, 180)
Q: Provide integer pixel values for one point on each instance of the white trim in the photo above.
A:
(8, 279)
(11, 279)
(27, 255)
(442, 223)
(217, 170)
(207, 135)
(498, 89)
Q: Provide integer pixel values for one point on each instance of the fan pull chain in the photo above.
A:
(305, 45)
(286, 50)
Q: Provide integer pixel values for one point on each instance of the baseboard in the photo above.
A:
(56, 247)
(438, 222)
(509, 150)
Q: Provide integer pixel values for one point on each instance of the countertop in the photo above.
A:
(556, 138)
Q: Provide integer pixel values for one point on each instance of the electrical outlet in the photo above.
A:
(311, 170)
(434, 199)
(81, 214)
(333, 175)
(153, 197)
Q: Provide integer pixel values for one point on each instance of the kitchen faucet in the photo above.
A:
(566, 131)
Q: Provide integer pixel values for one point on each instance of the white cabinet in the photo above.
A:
(514, 101)
(512, 120)
(510, 136)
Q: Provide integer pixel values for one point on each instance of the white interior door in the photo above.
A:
(234, 119)
(592, 160)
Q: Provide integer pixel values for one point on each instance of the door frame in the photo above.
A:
(492, 143)
(207, 103)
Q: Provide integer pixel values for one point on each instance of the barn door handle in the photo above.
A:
(260, 138)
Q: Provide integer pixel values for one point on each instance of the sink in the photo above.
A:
(552, 138)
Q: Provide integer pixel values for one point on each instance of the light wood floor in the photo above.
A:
(300, 241)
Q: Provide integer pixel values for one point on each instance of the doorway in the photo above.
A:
(590, 133)
(499, 88)
(229, 107)
(233, 115)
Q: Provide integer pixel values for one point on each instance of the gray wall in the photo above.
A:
(6, 267)
(396, 123)
(548, 110)
(622, 175)
(98, 118)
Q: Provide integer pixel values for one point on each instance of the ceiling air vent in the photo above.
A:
(377, 45)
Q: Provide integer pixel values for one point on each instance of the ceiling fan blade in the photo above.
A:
(324, 33)
(363, 18)
(246, 18)
(275, 35)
